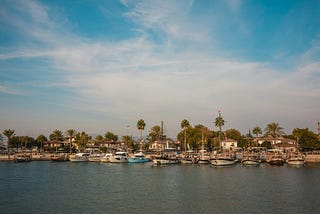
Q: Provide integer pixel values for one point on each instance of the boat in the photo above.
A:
(119, 157)
(79, 157)
(275, 157)
(95, 157)
(250, 159)
(138, 158)
(295, 159)
(223, 159)
(19, 158)
(203, 155)
(189, 158)
(165, 159)
(105, 158)
(59, 157)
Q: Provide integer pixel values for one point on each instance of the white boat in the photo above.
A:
(119, 157)
(204, 157)
(251, 160)
(223, 159)
(295, 159)
(189, 158)
(79, 157)
(95, 157)
(105, 158)
(138, 158)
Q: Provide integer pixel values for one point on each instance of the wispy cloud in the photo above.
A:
(140, 77)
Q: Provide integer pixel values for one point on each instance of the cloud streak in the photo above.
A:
(141, 78)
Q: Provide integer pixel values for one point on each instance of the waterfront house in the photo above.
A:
(162, 145)
(279, 143)
(229, 144)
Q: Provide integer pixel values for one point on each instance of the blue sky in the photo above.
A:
(98, 66)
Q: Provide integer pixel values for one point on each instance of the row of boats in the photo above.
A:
(216, 159)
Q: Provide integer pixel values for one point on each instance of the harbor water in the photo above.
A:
(53, 187)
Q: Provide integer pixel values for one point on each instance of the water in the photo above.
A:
(48, 187)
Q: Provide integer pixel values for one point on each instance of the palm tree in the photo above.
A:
(219, 122)
(56, 135)
(274, 130)
(41, 138)
(140, 125)
(8, 133)
(70, 134)
(184, 125)
(256, 131)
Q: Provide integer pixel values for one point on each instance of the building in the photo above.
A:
(229, 144)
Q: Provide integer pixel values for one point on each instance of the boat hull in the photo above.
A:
(165, 161)
(295, 162)
(138, 160)
(250, 162)
(223, 162)
(118, 160)
(276, 162)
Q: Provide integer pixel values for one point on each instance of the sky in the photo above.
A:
(99, 66)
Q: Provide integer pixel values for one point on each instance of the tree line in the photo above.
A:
(191, 137)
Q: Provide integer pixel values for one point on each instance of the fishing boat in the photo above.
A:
(79, 157)
(119, 157)
(19, 158)
(295, 159)
(223, 159)
(138, 158)
(59, 157)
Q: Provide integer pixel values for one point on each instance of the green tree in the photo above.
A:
(306, 139)
(98, 138)
(141, 125)
(274, 130)
(70, 133)
(129, 142)
(82, 139)
(41, 139)
(8, 133)
(155, 133)
(111, 137)
(185, 125)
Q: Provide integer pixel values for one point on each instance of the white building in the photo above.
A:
(229, 144)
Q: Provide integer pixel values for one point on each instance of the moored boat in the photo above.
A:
(166, 159)
(251, 160)
(22, 158)
(138, 158)
(204, 157)
(295, 159)
(119, 157)
(59, 157)
(275, 157)
(223, 159)
(79, 157)
(105, 158)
